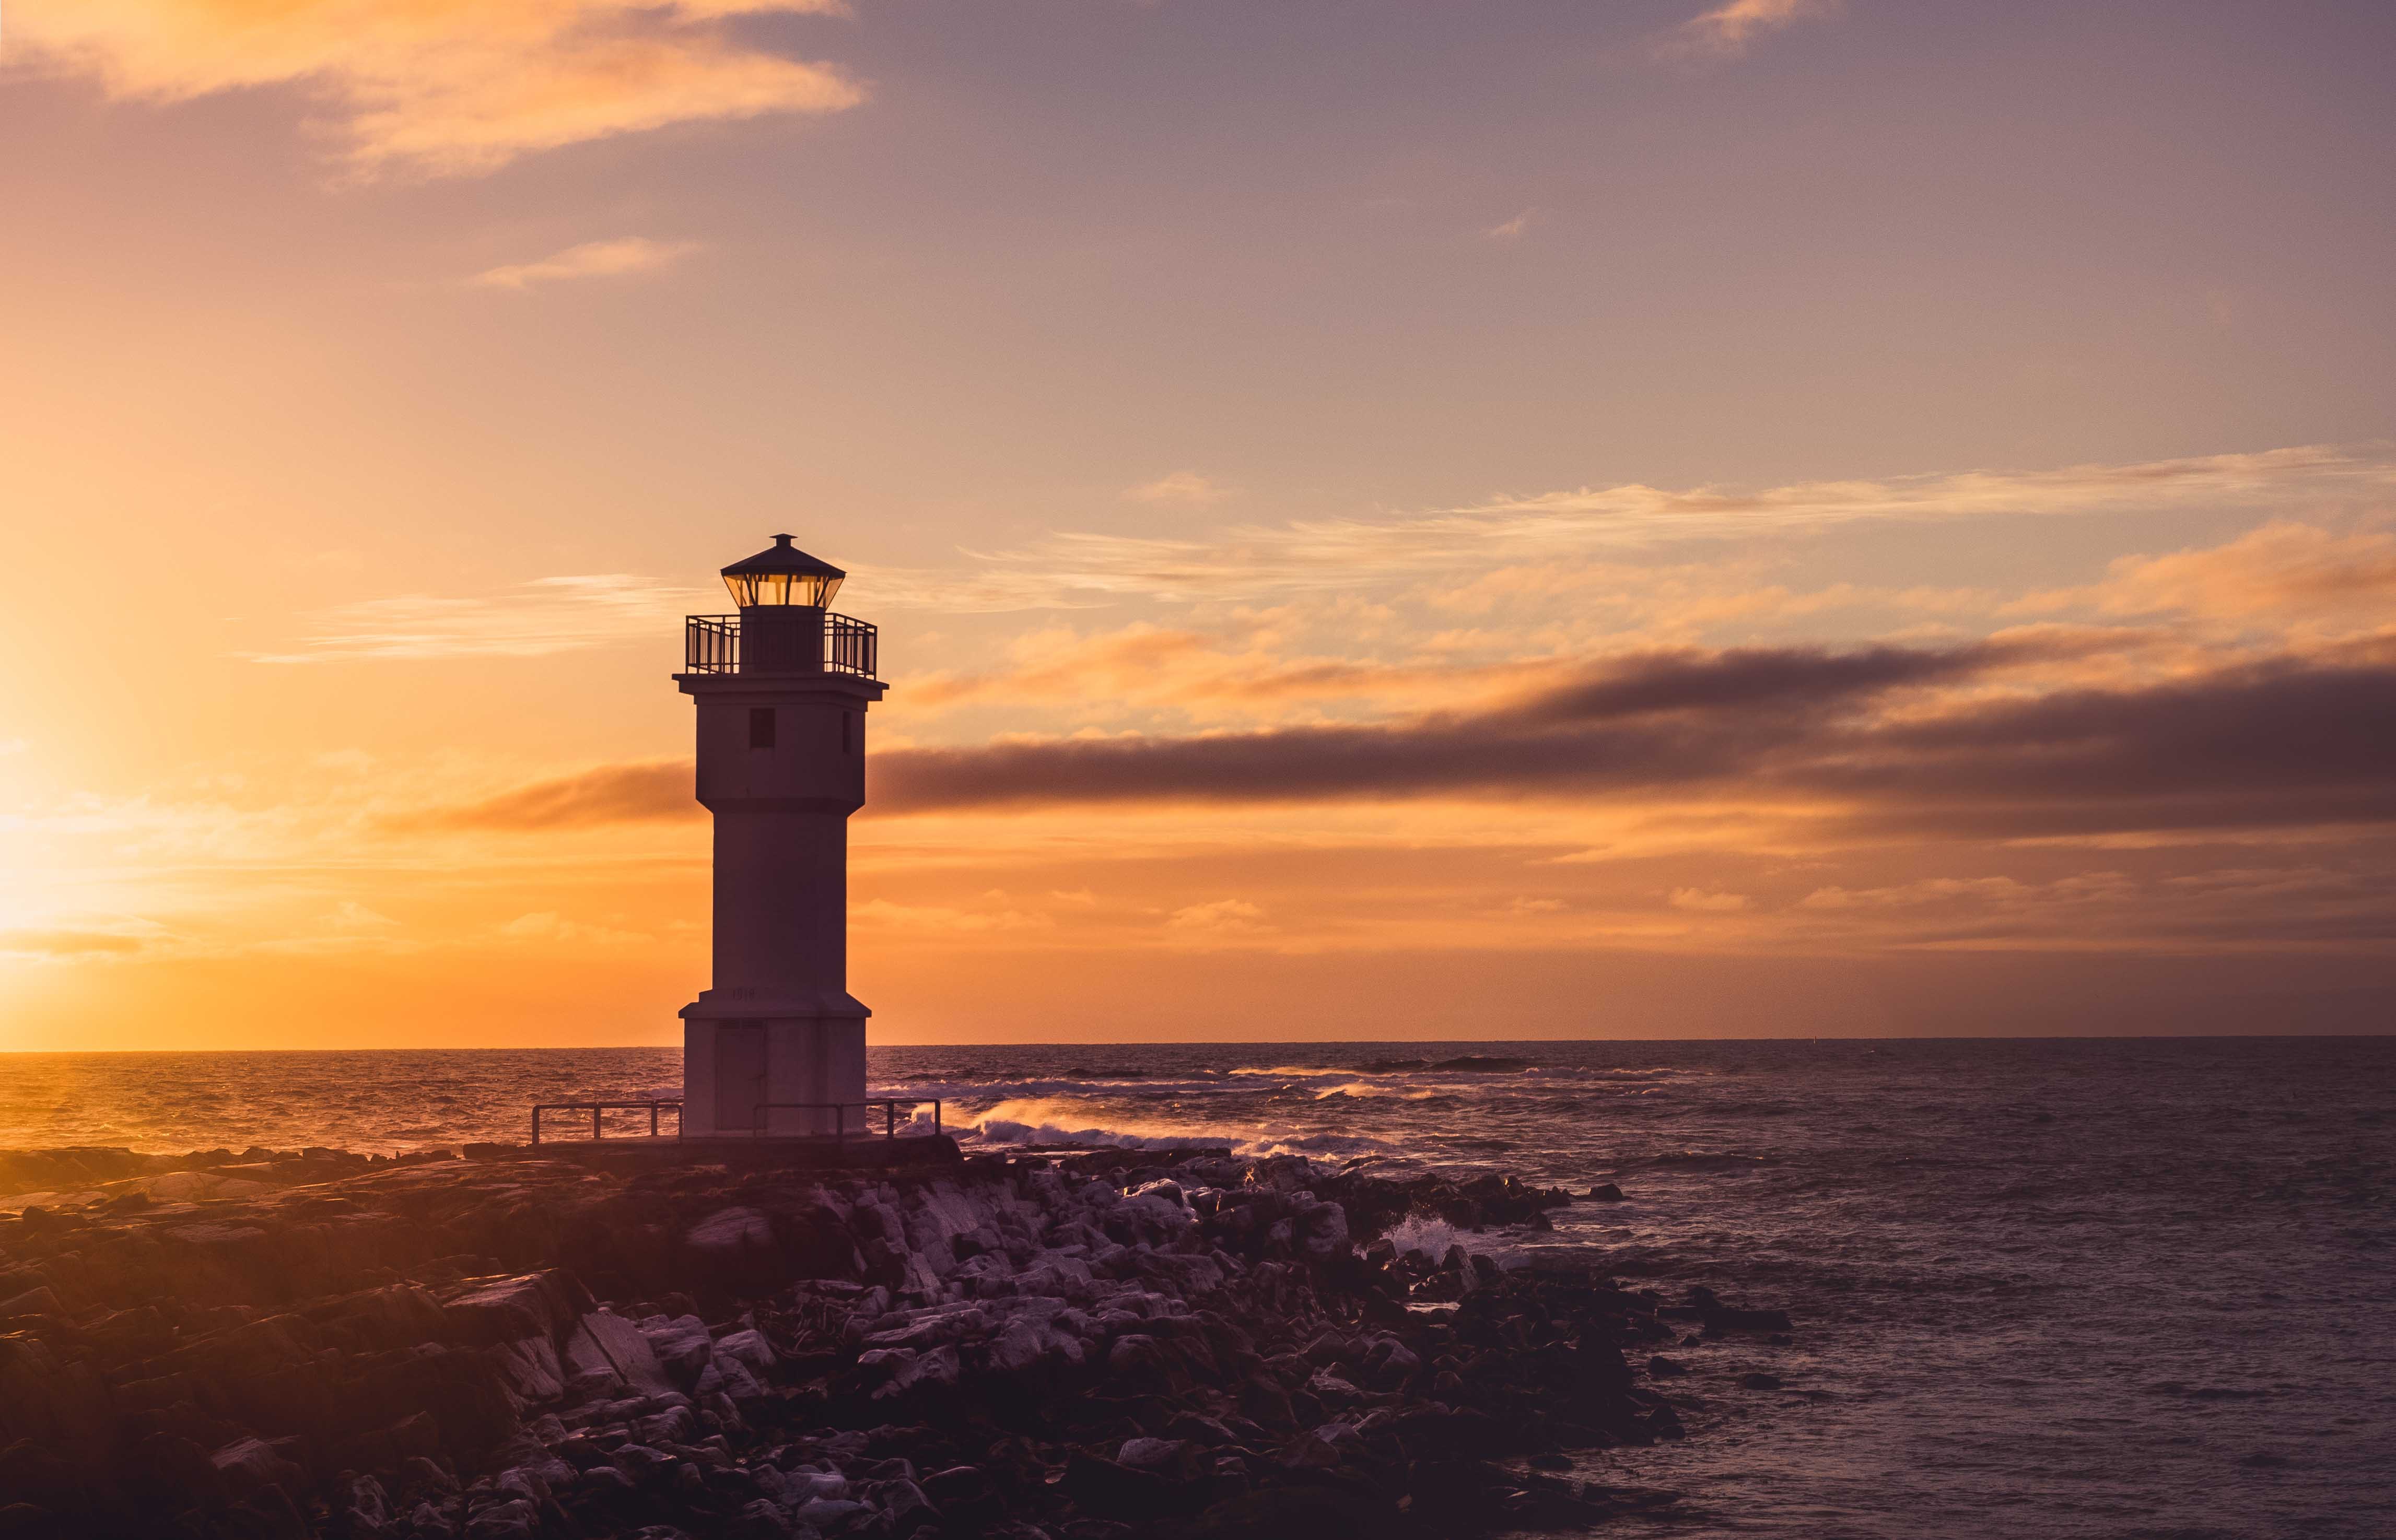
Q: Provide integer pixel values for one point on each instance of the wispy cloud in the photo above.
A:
(67, 943)
(1514, 228)
(436, 87)
(883, 913)
(639, 791)
(1482, 554)
(1149, 665)
(616, 259)
(549, 615)
(2281, 569)
(1180, 486)
(548, 926)
(1252, 563)
(1728, 29)
(1224, 917)
(350, 917)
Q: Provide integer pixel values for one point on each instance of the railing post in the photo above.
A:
(653, 1119)
(594, 1119)
(535, 1126)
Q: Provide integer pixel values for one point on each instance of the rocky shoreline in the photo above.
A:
(1080, 1345)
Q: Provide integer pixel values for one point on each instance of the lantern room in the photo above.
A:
(784, 575)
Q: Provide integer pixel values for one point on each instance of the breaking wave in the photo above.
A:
(1058, 1121)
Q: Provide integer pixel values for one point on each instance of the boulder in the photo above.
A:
(490, 1311)
(605, 1350)
(247, 1467)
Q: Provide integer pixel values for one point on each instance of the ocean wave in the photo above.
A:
(1362, 1089)
(1696, 1159)
(1257, 1142)
(1007, 1131)
(1060, 1122)
(1419, 1232)
(970, 1090)
(1104, 1074)
(1471, 1064)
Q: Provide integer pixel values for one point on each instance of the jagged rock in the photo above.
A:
(682, 1345)
(247, 1467)
(541, 1305)
(417, 1346)
(604, 1351)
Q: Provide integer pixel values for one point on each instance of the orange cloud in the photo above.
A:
(1153, 665)
(1250, 564)
(881, 913)
(611, 793)
(436, 87)
(1997, 740)
(1180, 486)
(549, 615)
(1223, 917)
(2281, 569)
(630, 254)
(67, 943)
(1727, 29)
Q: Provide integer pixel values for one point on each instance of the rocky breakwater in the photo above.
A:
(1074, 1346)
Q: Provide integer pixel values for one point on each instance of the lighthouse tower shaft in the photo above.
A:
(776, 1047)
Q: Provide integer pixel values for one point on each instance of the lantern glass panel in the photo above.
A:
(752, 588)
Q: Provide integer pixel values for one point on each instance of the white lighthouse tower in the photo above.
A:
(777, 1046)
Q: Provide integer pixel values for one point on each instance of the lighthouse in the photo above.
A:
(775, 1044)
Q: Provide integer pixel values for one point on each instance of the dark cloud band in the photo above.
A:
(2289, 742)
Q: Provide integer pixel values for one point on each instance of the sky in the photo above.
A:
(1507, 518)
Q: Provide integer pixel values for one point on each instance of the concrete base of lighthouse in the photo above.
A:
(745, 1062)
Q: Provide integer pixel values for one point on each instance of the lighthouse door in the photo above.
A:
(739, 1075)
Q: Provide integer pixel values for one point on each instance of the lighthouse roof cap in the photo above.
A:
(783, 557)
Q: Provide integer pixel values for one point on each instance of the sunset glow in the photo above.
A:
(1345, 569)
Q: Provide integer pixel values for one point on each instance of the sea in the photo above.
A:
(2133, 1289)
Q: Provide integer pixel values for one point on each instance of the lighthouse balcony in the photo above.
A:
(712, 645)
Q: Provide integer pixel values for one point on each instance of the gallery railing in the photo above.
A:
(839, 1111)
(849, 646)
(598, 1128)
(711, 645)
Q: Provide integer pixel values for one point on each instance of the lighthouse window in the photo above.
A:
(761, 727)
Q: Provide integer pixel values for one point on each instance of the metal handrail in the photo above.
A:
(711, 645)
(597, 1108)
(849, 646)
(889, 1105)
